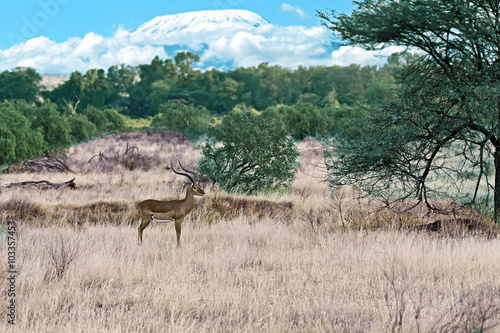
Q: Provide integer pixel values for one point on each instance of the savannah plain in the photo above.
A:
(305, 261)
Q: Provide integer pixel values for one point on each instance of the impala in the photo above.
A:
(170, 211)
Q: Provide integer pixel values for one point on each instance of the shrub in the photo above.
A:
(249, 154)
(82, 129)
(54, 127)
(304, 119)
(61, 252)
(301, 119)
(106, 121)
(183, 118)
(17, 140)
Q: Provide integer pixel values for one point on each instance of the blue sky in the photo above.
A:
(62, 19)
(62, 36)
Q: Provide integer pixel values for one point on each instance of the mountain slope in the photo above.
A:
(200, 30)
(202, 21)
(224, 39)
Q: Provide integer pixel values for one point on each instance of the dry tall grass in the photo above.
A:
(303, 262)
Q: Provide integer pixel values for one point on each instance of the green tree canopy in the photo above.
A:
(441, 136)
(54, 127)
(248, 154)
(80, 91)
(177, 116)
(21, 83)
(18, 140)
(304, 119)
(106, 121)
(82, 129)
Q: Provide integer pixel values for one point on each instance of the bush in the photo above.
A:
(249, 154)
(106, 121)
(17, 140)
(183, 118)
(115, 121)
(47, 120)
(82, 130)
(301, 119)
(347, 120)
(304, 119)
(54, 127)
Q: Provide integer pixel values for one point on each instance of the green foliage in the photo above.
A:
(380, 92)
(260, 87)
(106, 121)
(121, 79)
(184, 61)
(346, 119)
(254, 154)
(81, 91)
(226, 95)
(21, 83)
(304, 119)
(54, 127)
(17, 140)
(306, 100)
(47, 120)
(301, 120)
(443, 127)
(180, 117)
(82, 130)
(158, 96)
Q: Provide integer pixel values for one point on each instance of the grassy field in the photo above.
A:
(309, 261)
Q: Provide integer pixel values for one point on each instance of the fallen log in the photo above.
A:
(39, 164)
(44, 184)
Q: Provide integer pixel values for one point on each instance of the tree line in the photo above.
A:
(140, 91)
(175, 95)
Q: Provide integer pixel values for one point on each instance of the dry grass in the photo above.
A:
(237, 276)
(299, 263)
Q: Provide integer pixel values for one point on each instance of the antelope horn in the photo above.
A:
(191, 172)
(182, 174)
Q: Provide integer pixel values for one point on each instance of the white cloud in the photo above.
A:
(93, 51)
(347, 55)
(286, 7)
(285, 46)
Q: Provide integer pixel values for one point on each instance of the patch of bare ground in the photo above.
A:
(50, 82)
(305, 262)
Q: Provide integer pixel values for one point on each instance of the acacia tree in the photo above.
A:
(249, 154)
(442, 135)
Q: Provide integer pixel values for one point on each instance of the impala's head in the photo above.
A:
(197, 190)
(194, 185)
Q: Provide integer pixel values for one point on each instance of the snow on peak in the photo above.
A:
(207, 20)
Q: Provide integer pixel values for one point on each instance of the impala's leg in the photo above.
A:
(178, 231)
(145, 222)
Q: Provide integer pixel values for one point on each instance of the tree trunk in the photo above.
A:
(496, 203)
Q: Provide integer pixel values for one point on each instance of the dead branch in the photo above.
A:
(45, 163)
(101, 156)
(130, 148)
(44, 184)
(131, 159)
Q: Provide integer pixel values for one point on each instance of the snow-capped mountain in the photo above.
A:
(230, 38)
(197, 31)
(208, 20)
(200, 31)
(224, 39)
